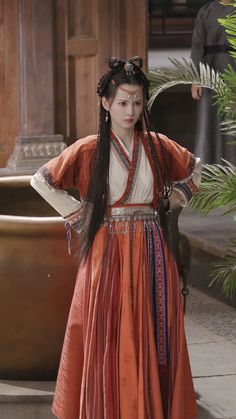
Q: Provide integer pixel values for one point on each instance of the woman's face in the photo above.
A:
(126, 106)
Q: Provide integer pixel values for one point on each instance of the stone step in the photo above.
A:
(26, 399)
(208, 237)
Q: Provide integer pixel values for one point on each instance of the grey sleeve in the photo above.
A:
(198, 39)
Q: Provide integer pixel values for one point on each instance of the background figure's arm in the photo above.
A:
(196, 91)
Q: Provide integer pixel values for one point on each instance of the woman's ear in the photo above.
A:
(105, 103)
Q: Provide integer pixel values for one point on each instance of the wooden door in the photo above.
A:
(95, 30)
(52, 54)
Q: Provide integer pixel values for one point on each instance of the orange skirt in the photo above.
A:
(124, 354)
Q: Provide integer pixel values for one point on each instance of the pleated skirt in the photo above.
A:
(125, 354)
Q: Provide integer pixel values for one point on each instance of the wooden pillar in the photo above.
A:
(36, 141)
(9, 95)
(36, 73)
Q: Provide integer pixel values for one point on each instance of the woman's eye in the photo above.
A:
(122, 103)
(138, 103)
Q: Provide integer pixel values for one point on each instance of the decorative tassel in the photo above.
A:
(69, 236)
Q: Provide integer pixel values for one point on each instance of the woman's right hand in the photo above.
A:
(196, 91)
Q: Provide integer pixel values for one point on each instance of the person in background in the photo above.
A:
(124, 354)
(210, 46)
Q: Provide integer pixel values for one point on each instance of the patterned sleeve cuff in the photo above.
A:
(59, 199)
(74, 220)
(184, 190)
(188, 187)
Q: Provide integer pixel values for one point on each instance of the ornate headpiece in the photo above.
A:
(131, 66)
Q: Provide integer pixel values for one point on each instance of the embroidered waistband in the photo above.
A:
(130, 213)
(131, 210)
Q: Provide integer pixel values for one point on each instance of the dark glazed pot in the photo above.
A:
(37, 279)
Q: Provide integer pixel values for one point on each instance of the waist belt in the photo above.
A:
(130, 213)
(216, 49)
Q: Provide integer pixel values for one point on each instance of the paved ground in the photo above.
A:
(211, 336)
(211, 324)
(209, 238)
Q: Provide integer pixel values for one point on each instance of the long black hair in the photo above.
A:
(94, 207)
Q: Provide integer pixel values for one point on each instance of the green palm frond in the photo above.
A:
(217, 189)
(224, 271)
(184, 72)
(227, 101)
(229, 23)
(228, 127)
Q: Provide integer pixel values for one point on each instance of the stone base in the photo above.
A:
(30, 153)
(26, 399)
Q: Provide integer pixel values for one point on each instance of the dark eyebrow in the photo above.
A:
(126, 100)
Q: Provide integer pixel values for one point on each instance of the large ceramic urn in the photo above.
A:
(37, 279)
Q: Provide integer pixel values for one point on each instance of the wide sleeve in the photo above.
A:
(198, 39)
(63, 172)
(183, 168)
(60, 200)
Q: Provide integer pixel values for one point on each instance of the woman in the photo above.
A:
(124, 353)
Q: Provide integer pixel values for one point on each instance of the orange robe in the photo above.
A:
(124, 354)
